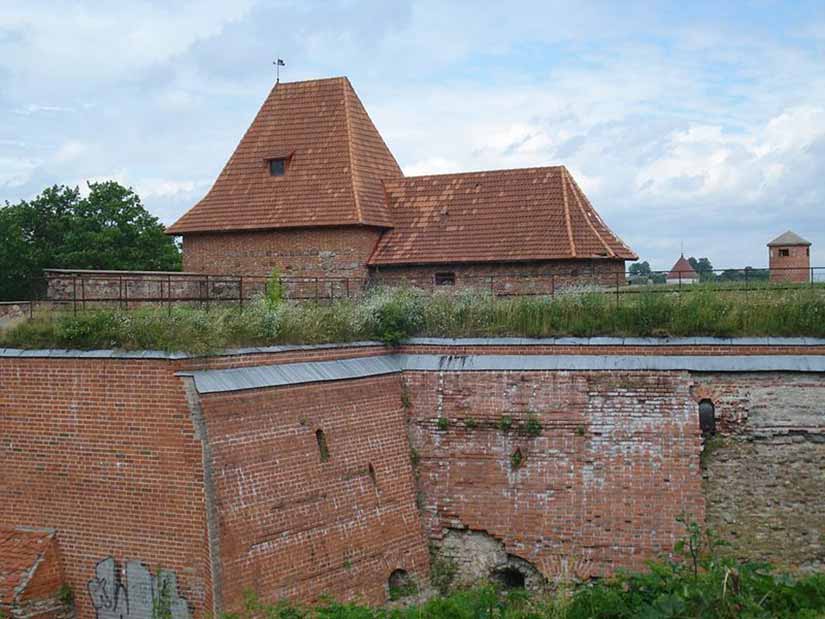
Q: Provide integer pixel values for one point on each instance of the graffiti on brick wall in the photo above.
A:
(142, 597)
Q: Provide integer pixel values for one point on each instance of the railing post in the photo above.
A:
(120, 291)
(169, 295)
(240, 291)
(317, 291)
(617, 289)
(552, 284)
(83, 293)
(126, 294)
(207, 293)
(74, 293)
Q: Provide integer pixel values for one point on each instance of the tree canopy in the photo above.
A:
(107, 229)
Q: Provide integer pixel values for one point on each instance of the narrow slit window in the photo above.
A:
(784, 252)
(277, 167)
(707, 417)
(445, 279)
(323, 450)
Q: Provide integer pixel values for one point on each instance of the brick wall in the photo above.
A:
(511, 278)
(122, 459)
(104, 452)
(794, 268)
(300, 252)
(294, 526)
(616, 460)
(764, 482)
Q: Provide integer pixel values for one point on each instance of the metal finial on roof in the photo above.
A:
(278, 64)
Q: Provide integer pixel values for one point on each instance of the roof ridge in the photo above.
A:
(313, 80)
(599, 218)
(587, 219)
(352, 173)
(471, 172)
(567, 221)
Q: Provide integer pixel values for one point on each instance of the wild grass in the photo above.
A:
(392, 315)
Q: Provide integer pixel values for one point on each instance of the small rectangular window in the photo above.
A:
(784, 252)
(277, 167)
(445, 279)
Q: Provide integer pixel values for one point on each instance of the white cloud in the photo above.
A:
(84, 40)
(70, 151)
(433, 165)
(16, 172)
(35, 108)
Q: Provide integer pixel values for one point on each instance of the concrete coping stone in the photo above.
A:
(257, 377)
(238, 379)
(431, 341)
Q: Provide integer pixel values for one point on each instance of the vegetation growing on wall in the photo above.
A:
(698, 582)
(392, 315)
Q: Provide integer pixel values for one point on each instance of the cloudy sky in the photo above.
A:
(694, 122)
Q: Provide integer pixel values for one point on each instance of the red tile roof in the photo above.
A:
(504, 215)
(682, 270)
(337, 160)
(21, 552)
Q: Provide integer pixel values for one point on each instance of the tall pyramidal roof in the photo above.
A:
(335, 164)
(788, 238)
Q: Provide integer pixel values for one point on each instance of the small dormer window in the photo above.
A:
(277, 167)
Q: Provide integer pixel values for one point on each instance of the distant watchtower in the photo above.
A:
(790, 258)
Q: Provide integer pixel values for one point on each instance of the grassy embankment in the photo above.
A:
(394, 314)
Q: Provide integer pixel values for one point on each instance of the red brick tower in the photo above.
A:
(790, 258)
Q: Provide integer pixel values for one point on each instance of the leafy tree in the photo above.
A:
(108, 229)
(639, 268)
(703, 267)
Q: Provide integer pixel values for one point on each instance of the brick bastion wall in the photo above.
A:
(298, 471)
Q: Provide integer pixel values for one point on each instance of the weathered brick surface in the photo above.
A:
(107, 453)
(794, 268)
(300, 252)
(510, 278)
(616, 461)
(104, 452)
(294, 526)
(765, 472)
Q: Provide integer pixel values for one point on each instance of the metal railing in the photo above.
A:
(80, 290)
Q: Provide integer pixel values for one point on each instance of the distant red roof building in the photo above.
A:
(683, 272)
(313, 190)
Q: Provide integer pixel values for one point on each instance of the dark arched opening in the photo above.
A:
(400, 584)
(509, 578)
(323, 450)
(707, 417)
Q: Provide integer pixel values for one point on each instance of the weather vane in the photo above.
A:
(278, 64)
